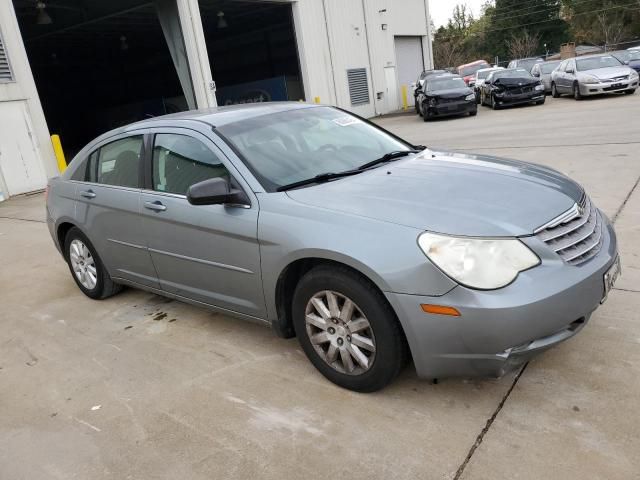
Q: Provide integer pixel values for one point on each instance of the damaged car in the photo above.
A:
(445, 95)
(513, 86)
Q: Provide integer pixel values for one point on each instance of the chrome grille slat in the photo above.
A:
(564, 229)
(577, 234)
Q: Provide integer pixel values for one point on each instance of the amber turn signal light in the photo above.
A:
(439, 310)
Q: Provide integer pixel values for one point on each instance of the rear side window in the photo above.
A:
(116, 163)
(180, 161)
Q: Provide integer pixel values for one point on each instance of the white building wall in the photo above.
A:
(335, 35)
(34, 159)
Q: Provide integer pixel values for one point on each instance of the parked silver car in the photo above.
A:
(543, 71)
(325, 226)
(592, 75)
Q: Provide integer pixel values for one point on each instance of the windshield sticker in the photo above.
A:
(344, 121)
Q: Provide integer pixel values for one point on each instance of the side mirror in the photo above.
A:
(536, 74)
(215, 191)
(626, 62)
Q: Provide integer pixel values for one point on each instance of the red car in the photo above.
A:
(468, 70)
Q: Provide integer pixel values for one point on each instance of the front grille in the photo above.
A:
(519, 90)
(618, 79)
(576, 235)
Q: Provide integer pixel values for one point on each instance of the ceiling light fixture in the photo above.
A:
(43, 17)
(222, 23)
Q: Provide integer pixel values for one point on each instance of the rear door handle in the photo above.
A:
(88, 194)
(156, 206)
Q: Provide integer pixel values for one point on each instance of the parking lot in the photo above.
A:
(142, 387)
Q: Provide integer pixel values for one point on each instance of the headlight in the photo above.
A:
(590, 79)
(479, 263)
(471, 96)
(539, 87)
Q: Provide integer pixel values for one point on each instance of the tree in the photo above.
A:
(523, 45)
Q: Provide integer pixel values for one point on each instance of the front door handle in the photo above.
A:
(88, 194)
(156, 206)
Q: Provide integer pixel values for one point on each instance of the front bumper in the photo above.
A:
(500, 329)
(587, 89)
(507, 99)
(452, 108)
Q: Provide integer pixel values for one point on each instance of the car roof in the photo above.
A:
(607, 54)
(218, 116)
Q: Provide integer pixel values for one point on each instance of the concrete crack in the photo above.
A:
(626, 199)
(486, 428)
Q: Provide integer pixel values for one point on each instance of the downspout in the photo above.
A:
(371, 75)
(333, 75)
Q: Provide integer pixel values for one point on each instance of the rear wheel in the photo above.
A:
(347, 329)
(86, 267)
(576, 91)
(554, 91)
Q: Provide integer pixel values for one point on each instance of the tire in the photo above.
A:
(631, 91)
(94, 282)
(425, 114)
(473, 113)
(380, 329)
(494, 104)
(415, 105)
(540, 102)
(554, 91)
(576, 91)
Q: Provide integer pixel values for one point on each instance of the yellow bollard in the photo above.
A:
(57, 149)
(316, 99)
(405, 103)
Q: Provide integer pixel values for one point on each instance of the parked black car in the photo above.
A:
(444, 95)
(419, 85)
(514, 86)
(629, 57)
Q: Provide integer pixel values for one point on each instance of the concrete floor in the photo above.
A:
(138, 387)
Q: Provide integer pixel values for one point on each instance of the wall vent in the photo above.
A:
(5, 70)
(358, 86)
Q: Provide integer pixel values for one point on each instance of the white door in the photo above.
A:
(20, 162)
(409, 62)
(391, 92)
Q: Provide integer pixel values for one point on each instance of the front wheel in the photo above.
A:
(576, 91)
(347, 329)
(554, 91)
(473, 113)
(494, 103)
(86, 267)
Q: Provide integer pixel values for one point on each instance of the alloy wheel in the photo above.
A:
(340, 333)
(83, 264)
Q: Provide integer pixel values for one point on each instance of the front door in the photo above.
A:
(206, 253)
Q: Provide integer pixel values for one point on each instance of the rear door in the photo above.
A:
(207, 253)
(108, 208)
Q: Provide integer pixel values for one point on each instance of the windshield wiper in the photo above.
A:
(387, 158)
(321, 178)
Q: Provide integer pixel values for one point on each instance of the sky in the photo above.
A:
(440, 10)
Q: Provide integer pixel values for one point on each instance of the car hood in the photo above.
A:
(454, 193)
(450, 93)
(608, 72)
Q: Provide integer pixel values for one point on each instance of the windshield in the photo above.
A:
(484, 74)
(515, 73)
(471, 69)
(594, 63)
(286, 147)
(549, 67)
(528, 64)
(634, 55)
(445, 84)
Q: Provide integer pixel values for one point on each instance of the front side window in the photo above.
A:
(286, 147)
(117, 163)
(180, 161)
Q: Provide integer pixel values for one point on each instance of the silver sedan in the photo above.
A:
(593, 75)
(324, 226)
